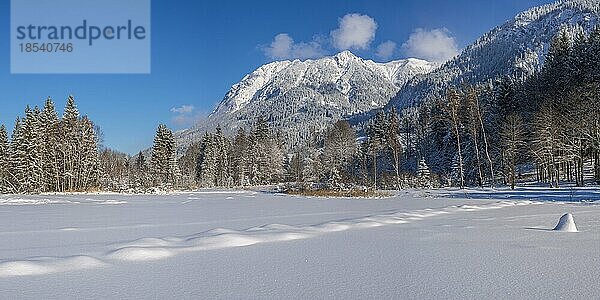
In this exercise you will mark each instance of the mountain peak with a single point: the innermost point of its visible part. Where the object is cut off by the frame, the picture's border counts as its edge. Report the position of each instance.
(345, 53)
(345, 56)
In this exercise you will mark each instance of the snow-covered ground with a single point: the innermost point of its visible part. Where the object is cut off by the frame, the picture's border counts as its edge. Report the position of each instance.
(232, 244)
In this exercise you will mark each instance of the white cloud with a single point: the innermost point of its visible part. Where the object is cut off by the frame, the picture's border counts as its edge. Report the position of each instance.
(284, 47)
(184, 109)
(187, 120)
(386, 50)
(355, 31)
(435, 45)
(185, 116)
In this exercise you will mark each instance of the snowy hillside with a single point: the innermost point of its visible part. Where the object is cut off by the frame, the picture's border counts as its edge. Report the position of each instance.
(516, 48)
(299, 97)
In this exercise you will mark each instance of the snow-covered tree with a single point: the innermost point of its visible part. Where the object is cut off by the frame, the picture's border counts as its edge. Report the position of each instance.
(223, 145)
(18, 159)
(266, 164)
(423, 173)
(4, 160)
(188, 164)
(49, 123)
(473, 111)
(89, 169)
(32, 139)
(393, 143)
(376, 133)
(513, 143)
(240, 154)
(454, 112)
(207, 162)
(423, 170)
(339, 151)
(294, 167)
(69, 145)
(163, 163)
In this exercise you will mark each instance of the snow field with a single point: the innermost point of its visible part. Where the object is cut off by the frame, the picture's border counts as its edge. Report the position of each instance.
(419, 244)
(155, 248)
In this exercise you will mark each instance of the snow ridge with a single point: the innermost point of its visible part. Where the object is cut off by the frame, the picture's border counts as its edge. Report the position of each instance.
(18, 201)
(148, 249)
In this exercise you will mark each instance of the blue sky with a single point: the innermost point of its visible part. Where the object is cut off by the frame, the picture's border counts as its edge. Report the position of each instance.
(201, 48)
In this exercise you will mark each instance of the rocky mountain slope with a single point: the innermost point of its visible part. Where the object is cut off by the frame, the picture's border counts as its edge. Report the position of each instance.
(516, 48)
(300, 97)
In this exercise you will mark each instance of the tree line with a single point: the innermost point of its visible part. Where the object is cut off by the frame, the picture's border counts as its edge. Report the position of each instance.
(335, 159)
(543, 128)
(46, 153)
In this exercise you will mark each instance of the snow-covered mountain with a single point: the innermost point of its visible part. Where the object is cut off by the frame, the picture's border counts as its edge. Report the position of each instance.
(300, 97)
(516, 48)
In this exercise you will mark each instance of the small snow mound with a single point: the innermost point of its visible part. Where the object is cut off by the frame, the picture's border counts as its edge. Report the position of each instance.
(147, 242)
(69, 229)
(140, 254)
(48, 265)
(566, 223)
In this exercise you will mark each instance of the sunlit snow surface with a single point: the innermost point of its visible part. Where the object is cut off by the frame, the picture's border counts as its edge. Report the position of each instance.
(233, 244)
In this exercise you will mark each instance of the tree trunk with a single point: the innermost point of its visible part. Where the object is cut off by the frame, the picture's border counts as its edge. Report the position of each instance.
(397, 167)
(486, 146)
(479, 172)
(460, 158)
(375, 168)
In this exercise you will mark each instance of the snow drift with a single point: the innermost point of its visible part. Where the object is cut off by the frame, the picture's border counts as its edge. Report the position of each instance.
(157, 248)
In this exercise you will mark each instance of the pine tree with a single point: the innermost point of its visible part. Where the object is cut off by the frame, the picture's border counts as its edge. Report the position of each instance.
(188, 164)
(140, 162)
(48, 154)
(163, 163)
(18, 159)
(89, 169)
(295, 165)
(591, 57)
(260, 158)
(69, 146)
(4, 160)
(32, 141)
(207, 162)
(557, 61)
(266, 159)
(423, 172)
(140, 174)
(222, 147)
(240, 158)
(49, 123)
(376, 133)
